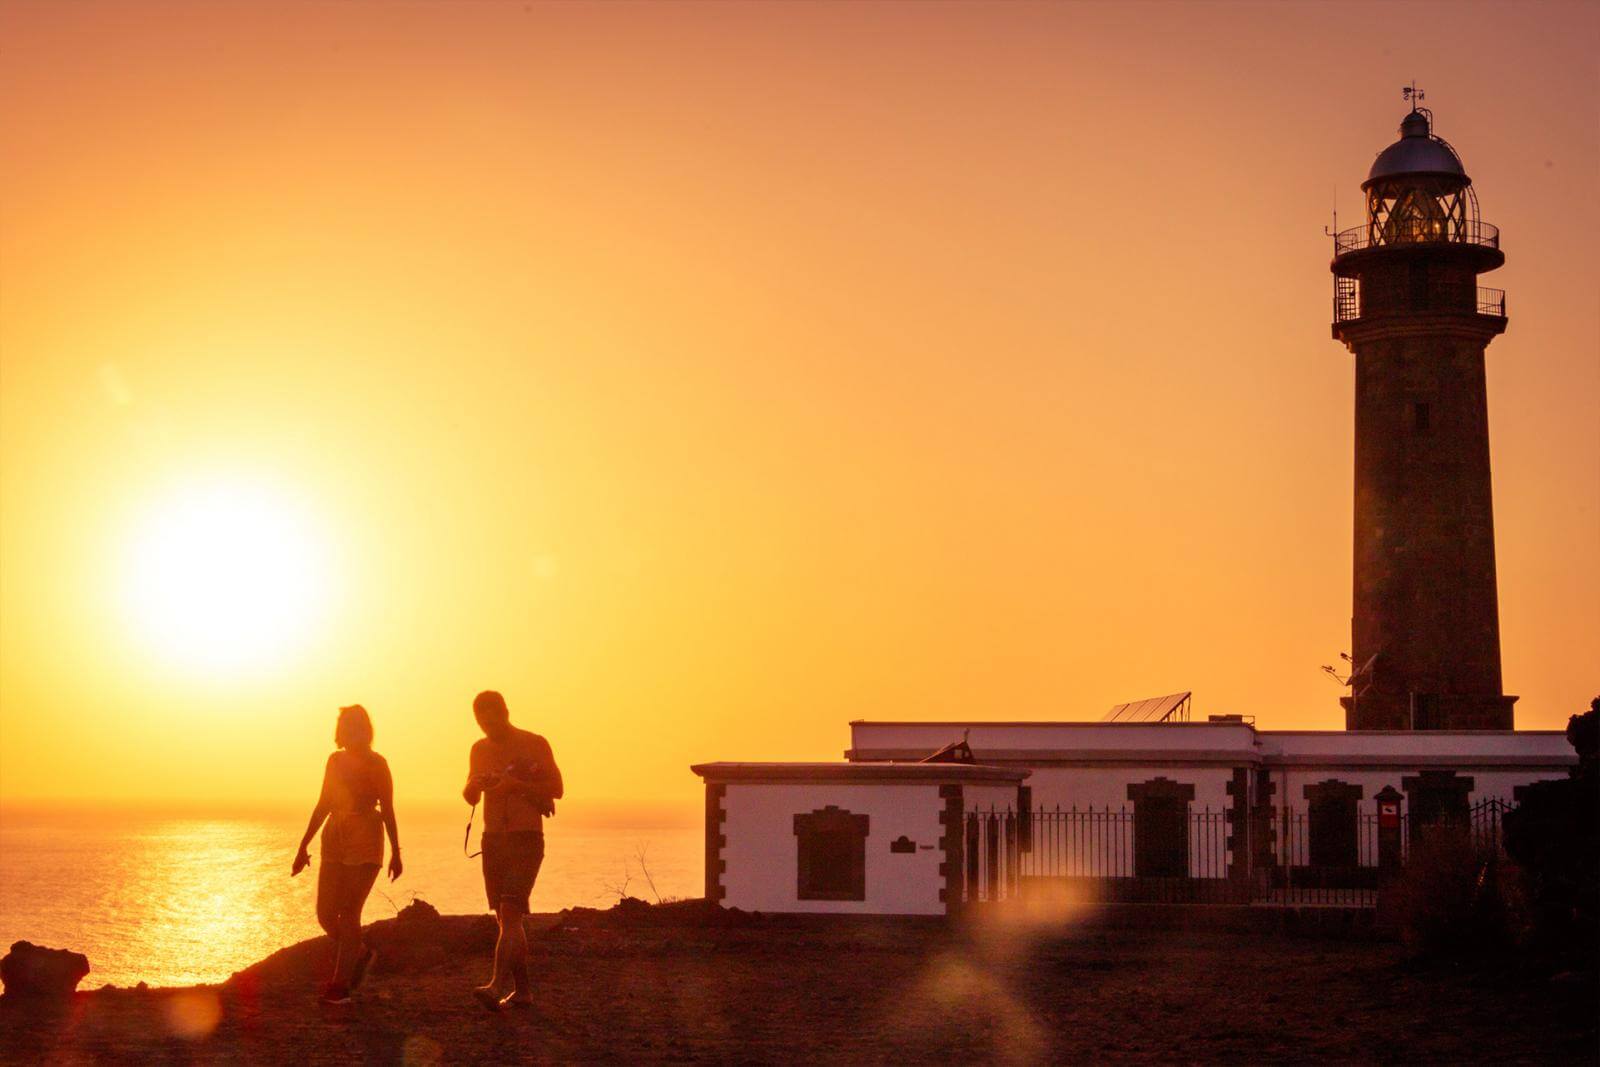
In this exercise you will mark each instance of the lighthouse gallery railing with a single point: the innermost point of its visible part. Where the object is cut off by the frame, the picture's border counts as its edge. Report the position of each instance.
(1417, 231)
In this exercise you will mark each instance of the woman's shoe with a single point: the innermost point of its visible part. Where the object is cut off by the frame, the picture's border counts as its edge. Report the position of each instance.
(333, 993)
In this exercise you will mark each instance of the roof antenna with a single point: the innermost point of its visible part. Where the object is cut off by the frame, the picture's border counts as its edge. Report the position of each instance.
(1335, 231)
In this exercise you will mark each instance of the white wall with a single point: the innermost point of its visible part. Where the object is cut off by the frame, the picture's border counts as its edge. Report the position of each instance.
(762, 854)
(1107, 786)
(1523, 745)
(1064, 843)
(989, 738)
(1000, 797)
(1490, 783)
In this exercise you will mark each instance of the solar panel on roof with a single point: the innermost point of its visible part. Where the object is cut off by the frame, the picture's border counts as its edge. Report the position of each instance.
(1174, 707)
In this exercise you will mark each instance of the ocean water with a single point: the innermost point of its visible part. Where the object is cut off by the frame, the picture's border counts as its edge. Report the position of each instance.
(177, 901)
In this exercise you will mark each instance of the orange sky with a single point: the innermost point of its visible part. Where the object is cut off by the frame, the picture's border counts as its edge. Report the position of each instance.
(705, 377)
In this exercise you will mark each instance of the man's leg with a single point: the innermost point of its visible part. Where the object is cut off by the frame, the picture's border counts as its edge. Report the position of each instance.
(505, 952)
(511, 951)
(534, 860)
(489, 994)
(523, 992)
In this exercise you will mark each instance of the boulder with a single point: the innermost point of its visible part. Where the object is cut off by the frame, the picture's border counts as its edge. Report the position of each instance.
(31, 971)
(418, 912)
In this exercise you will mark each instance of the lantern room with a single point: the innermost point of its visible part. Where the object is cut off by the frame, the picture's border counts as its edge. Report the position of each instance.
(1422, 244)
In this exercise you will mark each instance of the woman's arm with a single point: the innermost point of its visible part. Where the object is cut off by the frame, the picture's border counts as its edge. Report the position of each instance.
(319, 814)
(386, 805)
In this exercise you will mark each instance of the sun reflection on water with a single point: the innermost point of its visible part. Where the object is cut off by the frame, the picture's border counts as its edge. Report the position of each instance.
(188, 901)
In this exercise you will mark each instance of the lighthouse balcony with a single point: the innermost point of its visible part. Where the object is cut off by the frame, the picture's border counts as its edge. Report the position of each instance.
(1411, 231)
(1353, 300)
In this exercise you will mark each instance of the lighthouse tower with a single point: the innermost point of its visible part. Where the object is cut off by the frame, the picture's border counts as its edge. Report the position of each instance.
(1425, 625)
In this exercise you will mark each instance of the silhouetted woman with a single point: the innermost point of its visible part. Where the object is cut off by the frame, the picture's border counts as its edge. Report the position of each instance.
(357, 802)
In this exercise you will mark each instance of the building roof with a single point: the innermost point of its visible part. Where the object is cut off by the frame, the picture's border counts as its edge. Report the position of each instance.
(1236, 744)
(931, 773)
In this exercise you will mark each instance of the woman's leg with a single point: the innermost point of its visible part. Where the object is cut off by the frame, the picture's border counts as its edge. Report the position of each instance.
(355, 884)
(328, 896)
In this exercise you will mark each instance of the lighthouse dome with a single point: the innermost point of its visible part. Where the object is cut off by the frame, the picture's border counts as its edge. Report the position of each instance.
(1416, 152)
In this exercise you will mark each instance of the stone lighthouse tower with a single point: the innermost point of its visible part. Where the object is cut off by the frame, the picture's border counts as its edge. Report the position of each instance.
(1407, 304)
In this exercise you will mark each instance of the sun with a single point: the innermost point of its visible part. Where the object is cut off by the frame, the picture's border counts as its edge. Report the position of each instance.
(227, 576)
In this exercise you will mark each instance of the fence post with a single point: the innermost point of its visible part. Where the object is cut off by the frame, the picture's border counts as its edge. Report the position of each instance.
(1388, 799)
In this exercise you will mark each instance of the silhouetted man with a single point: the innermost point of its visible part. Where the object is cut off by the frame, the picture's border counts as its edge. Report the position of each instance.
(515, 774)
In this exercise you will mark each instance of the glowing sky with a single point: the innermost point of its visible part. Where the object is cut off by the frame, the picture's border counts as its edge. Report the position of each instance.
(706, 376)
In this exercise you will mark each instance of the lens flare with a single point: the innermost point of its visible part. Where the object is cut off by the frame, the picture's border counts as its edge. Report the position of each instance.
(193, 1013)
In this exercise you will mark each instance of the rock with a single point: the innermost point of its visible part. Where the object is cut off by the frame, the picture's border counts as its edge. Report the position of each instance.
(630, 912)
(418, 911)
(30, 971)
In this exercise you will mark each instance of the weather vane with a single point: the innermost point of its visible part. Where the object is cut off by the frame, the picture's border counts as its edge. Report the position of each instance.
(1412, 94)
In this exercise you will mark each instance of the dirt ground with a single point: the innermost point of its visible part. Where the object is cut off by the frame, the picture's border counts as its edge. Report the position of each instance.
(660, 985)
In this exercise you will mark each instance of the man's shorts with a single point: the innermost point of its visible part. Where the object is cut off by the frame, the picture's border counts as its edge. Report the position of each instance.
(511, 860)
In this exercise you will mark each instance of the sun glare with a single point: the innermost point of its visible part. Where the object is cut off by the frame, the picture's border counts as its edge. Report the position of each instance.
(227, 576)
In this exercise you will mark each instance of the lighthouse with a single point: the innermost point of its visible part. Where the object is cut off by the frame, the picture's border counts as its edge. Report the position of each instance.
(1407, 304)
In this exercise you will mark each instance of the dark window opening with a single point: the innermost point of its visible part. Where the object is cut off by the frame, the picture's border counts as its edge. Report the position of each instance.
(1436, 800)
(1160, 837)
(1024, 818)
(1332, 828)
(1161, 828)
(1419, 417)
(832, 855)
(974, 861)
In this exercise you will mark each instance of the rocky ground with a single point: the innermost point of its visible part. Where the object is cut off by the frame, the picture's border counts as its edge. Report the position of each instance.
(684, 982)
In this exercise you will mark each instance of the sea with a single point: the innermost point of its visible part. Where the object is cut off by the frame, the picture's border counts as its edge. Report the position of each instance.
(181, 900)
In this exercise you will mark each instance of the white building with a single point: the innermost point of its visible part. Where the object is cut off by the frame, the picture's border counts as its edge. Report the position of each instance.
(866, 838)
(1180, 811)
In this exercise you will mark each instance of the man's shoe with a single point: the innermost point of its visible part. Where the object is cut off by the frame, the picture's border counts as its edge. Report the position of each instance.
(335, 994)
(487, 996)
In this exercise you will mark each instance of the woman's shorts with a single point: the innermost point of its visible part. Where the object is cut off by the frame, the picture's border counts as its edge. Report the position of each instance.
(511, 861)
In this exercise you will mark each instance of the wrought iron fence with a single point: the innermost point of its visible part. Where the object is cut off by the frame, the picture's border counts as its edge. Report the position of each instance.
(1320, 860)
(1172, 854)
(1479, 826)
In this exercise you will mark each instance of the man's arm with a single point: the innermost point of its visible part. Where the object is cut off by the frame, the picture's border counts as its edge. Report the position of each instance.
(548, 781)
(545, 782)
(477, 782)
